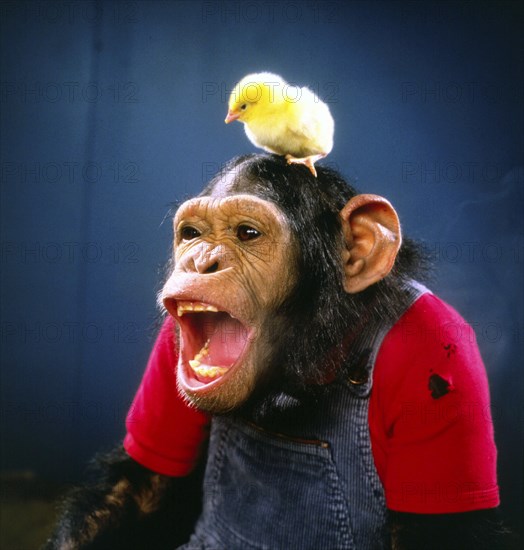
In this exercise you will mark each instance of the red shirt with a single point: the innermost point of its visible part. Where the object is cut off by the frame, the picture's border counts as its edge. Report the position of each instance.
(429, 415)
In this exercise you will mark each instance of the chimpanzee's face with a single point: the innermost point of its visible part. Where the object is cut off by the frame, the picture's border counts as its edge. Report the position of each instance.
(268, 267)
(234, 265)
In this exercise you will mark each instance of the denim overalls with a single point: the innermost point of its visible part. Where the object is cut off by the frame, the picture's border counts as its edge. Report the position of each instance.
(316, 487)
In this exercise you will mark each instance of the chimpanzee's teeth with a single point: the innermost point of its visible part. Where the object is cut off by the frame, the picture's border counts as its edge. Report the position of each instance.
(198, 357)
(205, 370)
(210, 372)
(184, 307)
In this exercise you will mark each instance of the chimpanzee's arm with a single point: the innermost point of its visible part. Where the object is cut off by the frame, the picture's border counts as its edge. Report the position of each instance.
(128, 506)
(478, 530)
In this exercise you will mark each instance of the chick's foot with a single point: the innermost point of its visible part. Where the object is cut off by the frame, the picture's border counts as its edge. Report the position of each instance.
(307, 161)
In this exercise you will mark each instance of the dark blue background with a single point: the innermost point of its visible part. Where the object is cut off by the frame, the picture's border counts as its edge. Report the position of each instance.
(112, 111)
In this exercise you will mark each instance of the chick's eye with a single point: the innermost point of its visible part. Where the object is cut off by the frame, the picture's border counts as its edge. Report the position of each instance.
(247, 233)
(243, 106)
(188, 233)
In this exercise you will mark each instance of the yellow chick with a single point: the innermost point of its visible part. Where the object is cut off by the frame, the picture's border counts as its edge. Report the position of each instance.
(282, 119)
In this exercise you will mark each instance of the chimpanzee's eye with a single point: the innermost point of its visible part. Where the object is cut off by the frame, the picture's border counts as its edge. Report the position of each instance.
(187, 233)
(247, 233)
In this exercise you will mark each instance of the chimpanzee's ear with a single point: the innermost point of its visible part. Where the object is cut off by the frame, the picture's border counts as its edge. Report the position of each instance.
(372, 240)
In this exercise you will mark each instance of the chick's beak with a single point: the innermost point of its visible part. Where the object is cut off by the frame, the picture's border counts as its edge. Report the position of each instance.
(231, 115)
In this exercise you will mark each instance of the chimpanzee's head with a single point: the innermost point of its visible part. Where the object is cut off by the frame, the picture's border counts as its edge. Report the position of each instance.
(273, 270)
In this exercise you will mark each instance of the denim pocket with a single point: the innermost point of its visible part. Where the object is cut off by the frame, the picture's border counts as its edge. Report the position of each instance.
(271, 492)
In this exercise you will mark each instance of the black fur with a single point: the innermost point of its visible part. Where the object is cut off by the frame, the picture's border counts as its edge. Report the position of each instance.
(478, 530)
(151, 511)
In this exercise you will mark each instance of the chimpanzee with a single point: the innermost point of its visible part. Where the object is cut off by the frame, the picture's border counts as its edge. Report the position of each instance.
(348, 404)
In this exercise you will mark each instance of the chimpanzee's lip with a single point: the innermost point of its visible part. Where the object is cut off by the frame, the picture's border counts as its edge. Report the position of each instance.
(213, 343)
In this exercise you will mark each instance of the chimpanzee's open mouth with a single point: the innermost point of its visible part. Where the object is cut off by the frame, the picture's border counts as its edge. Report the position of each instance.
(212, 343)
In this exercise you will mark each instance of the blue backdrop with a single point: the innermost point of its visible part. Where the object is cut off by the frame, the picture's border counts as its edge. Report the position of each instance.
(113, 110)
